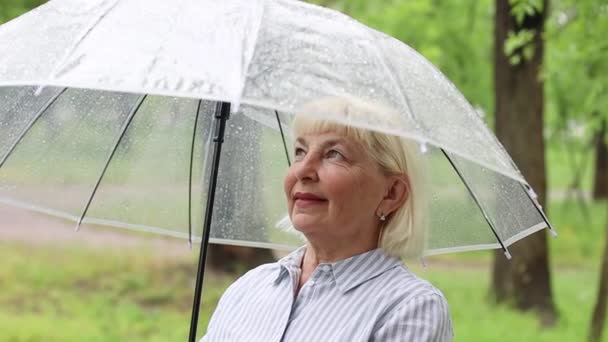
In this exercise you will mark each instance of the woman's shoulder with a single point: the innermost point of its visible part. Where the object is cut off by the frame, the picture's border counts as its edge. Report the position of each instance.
(248, 281)
(263, 271)
(415, 301)
(405, 285)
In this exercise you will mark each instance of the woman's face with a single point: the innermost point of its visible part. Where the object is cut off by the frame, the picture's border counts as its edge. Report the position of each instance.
(333, 188)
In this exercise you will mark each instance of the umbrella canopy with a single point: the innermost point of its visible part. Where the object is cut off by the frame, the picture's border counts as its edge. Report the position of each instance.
(106, 108)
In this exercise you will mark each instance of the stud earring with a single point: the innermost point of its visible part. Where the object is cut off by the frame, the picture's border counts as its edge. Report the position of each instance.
(382, 217)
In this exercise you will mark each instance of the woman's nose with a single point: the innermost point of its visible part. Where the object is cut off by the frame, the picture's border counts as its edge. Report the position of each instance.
(306, 169)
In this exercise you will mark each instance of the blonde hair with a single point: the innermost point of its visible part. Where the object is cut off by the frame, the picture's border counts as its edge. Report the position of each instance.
(403, 234)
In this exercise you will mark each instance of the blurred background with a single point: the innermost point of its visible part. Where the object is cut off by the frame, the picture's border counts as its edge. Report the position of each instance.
(536, 72)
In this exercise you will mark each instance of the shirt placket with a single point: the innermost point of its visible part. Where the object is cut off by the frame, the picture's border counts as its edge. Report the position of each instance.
(294, 276)
(306, 295)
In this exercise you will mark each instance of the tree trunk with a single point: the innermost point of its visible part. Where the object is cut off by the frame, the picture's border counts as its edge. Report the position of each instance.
(599, 313)
(236, 259)
(525, 280)
(600, 183)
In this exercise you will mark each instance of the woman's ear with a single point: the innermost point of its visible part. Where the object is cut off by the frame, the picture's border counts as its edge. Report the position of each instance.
(398, 191)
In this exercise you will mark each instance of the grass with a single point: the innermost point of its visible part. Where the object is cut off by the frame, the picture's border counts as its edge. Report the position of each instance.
(560, 171)
(72, 294)
(580, 239)
(67, 293)
(476, 319)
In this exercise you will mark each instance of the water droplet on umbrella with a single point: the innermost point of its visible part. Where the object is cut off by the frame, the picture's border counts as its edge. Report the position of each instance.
(38, 90)
(423, 148)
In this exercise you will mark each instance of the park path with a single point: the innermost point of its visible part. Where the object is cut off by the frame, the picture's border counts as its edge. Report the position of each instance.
(26, 227)
(22, 226)
(35, 229)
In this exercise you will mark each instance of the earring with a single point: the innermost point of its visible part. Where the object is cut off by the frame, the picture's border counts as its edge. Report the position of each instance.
(382, 217)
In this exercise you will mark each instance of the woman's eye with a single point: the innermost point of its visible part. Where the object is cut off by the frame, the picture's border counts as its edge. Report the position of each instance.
(333, 154)
(299, 152)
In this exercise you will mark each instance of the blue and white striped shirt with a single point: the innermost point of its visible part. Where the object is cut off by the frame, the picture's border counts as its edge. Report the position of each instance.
(368, 297)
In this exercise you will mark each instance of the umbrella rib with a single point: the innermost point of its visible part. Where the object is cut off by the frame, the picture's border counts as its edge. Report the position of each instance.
(483, 212)
(283, 137)
(91, 25)
(198, 110)
(42, 110)
(114, 148)
(540, 211)
(527, 189)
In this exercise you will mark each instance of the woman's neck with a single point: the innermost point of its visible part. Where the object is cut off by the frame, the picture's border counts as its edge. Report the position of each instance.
(316, 254)
(329, 252)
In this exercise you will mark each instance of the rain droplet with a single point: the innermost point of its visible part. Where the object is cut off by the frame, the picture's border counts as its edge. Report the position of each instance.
(39, 90)
(532, 193)
(423, 148)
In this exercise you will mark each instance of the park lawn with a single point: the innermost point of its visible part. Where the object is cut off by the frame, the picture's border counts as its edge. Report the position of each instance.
(70, 293)
(52, 293)
(476, 319)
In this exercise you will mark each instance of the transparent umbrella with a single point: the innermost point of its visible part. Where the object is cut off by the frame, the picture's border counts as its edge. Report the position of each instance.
(113, 113)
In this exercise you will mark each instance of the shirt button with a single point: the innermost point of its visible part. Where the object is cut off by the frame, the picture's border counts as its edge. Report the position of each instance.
(325, 268)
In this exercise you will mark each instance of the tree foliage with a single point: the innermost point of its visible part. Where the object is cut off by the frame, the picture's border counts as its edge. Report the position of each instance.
(576, 66)
(10, 9)
(456, 36)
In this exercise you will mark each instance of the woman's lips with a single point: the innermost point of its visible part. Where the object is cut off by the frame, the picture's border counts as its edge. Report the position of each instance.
(305, 199)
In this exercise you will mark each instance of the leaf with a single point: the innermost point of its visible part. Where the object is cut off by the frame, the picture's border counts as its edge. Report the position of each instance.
(520, 9)
(519, 44)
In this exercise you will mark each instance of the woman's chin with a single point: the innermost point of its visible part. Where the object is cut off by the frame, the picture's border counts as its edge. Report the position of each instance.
(305, 224)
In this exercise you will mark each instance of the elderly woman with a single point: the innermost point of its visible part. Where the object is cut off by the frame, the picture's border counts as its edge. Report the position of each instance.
(356, 195)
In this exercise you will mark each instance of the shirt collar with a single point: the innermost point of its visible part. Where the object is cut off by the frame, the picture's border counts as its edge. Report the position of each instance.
(293, 261)
(348, 273)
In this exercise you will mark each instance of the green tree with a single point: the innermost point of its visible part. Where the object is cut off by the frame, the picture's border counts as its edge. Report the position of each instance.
(576, 85)
(456, 36)
(13, 8)
(598, 317)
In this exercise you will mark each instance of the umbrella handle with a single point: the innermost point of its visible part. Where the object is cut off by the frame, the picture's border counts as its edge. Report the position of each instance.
(222, 113)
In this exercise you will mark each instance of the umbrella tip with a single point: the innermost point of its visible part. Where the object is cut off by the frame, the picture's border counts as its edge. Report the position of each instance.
(190, 244)
(507, 254)
(79, 223)
(553, 232)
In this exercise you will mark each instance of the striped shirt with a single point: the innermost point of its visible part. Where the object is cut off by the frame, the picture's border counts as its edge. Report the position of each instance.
(368, 297)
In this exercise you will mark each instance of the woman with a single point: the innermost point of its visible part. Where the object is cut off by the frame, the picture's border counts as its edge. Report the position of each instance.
(356, 195)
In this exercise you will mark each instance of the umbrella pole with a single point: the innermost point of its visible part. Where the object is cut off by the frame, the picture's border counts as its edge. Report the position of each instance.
(222, 113)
